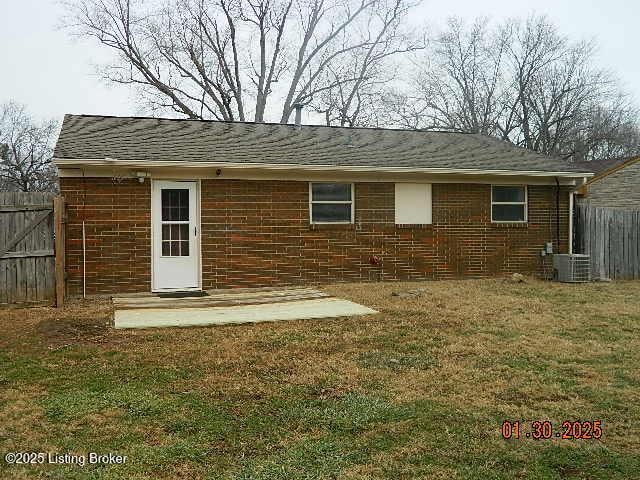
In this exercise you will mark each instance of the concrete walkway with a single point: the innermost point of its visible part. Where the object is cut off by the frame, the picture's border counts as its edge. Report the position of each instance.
(228, 307)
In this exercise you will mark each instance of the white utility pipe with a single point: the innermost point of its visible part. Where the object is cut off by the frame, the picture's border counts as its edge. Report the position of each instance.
(570, 223)
(84, 263)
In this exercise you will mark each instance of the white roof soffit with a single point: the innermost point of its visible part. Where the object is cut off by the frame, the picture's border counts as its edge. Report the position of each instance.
(108, 162)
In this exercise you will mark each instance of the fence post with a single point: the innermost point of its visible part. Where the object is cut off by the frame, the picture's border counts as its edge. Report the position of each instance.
(58, 215)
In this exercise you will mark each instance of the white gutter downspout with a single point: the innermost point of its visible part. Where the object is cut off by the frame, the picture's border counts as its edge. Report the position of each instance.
(84, 263)
(570, 222)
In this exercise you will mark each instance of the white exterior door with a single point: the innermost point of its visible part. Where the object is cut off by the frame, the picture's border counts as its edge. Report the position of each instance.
(176, 262)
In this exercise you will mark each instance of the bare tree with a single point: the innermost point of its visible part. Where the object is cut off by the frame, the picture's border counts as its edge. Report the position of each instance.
(606, 131)
(229, 59)
(462, 81)
(25, 151)
(356, 85)
(522, 82)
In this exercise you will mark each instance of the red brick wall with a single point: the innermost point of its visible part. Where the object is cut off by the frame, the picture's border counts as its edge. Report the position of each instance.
(117, 219)
(257, 233)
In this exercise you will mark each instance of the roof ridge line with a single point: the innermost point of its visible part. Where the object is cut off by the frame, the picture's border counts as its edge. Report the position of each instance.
(245, 122)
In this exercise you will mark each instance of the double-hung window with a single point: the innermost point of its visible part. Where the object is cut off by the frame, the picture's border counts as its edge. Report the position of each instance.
(331, 202)
(509, 203)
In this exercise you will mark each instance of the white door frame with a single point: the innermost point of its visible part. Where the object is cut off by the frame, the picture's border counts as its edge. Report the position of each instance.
(198, 243)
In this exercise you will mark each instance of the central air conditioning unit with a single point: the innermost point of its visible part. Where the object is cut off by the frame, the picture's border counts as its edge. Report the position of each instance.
(574, 268)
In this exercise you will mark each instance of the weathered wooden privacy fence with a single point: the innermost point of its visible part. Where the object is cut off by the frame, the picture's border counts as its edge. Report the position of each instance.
(31, 248)
(611, 237)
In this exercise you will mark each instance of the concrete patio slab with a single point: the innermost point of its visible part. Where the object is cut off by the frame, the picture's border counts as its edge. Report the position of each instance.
(263, 312)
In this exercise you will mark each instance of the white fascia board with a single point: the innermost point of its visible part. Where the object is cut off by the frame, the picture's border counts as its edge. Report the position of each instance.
(67, 162)
(176, 173)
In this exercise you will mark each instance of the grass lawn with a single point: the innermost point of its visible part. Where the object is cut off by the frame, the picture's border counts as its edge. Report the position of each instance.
(419, 390)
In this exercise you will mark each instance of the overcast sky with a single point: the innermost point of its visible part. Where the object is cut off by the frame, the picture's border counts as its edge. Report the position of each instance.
(52, 74)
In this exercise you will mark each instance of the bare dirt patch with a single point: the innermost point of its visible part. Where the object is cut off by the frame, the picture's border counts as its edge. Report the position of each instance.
(77, 322)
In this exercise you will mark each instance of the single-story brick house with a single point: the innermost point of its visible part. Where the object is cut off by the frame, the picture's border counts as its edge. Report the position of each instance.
(170, 204)
(616, 183)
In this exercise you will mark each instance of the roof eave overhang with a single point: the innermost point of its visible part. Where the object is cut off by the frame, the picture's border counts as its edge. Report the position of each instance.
(78, 163)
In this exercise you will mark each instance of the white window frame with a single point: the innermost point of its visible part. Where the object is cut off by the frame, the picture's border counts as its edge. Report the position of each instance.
(341, 202)
(525, 203)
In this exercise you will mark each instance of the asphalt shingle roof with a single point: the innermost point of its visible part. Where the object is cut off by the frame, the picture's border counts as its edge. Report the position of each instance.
(600, 166)
(155, 139)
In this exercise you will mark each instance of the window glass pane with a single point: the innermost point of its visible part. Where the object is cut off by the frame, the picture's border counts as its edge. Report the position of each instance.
(331, 191)
(331, 212)
(508, 213)
(175, 204)
(179, 232)
(166, 204)
(508, 194)
(184, 248)
(183, 232)
(175, 240)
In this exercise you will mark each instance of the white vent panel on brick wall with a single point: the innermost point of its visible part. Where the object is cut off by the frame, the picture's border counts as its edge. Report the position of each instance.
(413, 203)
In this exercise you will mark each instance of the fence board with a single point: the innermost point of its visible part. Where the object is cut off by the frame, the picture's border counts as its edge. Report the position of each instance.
(636, 244)
(27, 272)
(4, 227)
(612, 238)
(12, 284)
(3, 282)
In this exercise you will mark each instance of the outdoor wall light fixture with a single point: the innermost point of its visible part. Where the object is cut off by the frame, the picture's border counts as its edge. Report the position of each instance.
(141, 176)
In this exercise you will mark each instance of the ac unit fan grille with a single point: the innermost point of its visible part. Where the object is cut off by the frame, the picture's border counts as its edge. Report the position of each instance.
(574, 268)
